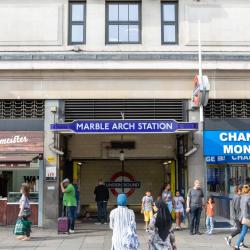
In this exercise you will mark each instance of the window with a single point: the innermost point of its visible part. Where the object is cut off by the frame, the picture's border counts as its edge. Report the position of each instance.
(123, 23)
(169, 17)
(77, 22)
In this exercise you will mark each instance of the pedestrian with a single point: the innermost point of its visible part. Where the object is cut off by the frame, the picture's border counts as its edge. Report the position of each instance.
(161, 237)
(24, 212)
(244, 215)
(122, 222)
(167, 197)
(101, 197)
(235, 214)
(77, 193)
(69, 201)
(147, 208)
(210, 207)
(179, 208)
(195, 202)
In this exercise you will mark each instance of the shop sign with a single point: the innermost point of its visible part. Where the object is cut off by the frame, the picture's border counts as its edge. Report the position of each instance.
(124, 126)
(226, 143)
(232, 146)
(116, 184)
(21, 142)
(228, 159)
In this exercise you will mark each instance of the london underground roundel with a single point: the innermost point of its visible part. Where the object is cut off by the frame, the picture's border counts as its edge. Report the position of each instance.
(128, 182)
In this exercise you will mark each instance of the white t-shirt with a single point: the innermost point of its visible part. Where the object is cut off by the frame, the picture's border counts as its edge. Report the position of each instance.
(178, 202)
(24, 201)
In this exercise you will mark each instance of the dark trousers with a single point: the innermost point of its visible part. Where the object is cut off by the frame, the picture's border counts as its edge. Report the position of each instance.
(237, 230)
(102, 214)
(195, 216)
(71, 211)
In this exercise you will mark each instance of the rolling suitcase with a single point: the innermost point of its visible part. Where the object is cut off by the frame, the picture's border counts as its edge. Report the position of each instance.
(62, 225)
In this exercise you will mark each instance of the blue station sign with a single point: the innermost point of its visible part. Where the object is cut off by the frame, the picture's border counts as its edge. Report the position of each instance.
(124, 126)
(227, 146)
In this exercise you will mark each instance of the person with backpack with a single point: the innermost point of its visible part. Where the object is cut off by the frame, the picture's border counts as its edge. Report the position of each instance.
(122, 222)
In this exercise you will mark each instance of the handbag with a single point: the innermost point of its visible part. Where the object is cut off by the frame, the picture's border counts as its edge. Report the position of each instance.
(246, 221)
(22, 227)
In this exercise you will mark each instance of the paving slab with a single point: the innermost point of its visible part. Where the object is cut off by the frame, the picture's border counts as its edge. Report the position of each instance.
(93, 237)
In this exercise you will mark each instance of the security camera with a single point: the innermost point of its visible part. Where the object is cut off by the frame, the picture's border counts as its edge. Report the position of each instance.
(191, 151)
(56, 151)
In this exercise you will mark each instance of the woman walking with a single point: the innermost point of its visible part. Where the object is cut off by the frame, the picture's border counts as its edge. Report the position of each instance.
(244, 215)
(24, 212)
(167, 197)
(122, 222)
(161, 236)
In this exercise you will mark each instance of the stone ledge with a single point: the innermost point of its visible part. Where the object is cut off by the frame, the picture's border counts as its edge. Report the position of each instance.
(120, 57)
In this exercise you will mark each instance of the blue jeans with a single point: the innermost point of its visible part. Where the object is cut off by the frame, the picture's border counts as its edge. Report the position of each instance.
(210, 223)
(242, 235)
(102, 214)
(71, 212)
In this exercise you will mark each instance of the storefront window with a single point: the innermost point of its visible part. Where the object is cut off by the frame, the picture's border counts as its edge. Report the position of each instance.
(11, 181)
(224, 178)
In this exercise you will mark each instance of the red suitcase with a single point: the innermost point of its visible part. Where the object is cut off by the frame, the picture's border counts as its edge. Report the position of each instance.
(63, 225)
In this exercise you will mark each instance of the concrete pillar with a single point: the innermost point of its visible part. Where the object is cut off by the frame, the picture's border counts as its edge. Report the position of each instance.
(196, 161)
(51, 159)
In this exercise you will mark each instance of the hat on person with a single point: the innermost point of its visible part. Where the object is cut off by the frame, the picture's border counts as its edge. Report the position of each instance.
(122, 200)
(65, 180)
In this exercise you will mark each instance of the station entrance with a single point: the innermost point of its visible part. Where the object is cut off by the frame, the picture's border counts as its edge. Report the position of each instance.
(130, 163)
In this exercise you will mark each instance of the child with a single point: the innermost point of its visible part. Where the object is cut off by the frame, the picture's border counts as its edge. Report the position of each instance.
(179, 208)
(147, 208)
(210, 215)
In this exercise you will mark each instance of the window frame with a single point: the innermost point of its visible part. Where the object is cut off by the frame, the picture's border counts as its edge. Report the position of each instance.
(108, 23)
(71, 23)
(175, 23)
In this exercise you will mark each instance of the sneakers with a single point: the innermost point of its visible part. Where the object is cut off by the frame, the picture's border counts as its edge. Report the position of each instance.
(243, 246)
(228, 241)
(98, 223)
(71, 231)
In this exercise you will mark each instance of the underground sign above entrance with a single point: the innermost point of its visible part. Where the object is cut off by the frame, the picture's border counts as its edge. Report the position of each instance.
(124, 126)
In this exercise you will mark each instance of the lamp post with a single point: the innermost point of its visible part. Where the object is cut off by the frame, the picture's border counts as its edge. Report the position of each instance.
(122, 159)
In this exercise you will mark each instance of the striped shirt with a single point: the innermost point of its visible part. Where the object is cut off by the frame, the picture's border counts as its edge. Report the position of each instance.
(120, 219)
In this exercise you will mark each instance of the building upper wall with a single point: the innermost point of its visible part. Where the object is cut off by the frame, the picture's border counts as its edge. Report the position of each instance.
(32, 25)
(119, 84)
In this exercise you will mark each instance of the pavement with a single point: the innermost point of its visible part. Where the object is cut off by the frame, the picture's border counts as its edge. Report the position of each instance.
(94, 237)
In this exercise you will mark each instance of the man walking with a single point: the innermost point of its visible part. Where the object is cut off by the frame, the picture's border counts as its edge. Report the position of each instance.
(195, 202)
(69, 201)
(101, 197)
(235, 214)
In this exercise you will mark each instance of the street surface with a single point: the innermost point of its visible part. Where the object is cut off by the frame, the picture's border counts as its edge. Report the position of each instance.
(93, 237)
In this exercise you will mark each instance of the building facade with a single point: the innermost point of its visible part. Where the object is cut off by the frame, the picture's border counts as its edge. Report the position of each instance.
(96, 60)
